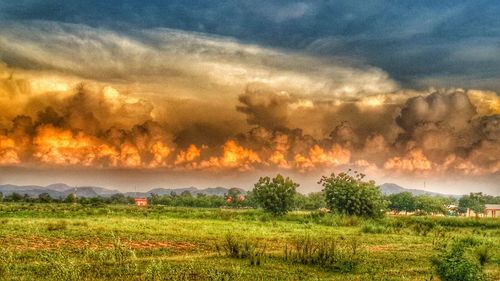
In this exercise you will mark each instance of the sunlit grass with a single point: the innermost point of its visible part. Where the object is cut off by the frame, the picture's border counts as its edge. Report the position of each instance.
(72, 242)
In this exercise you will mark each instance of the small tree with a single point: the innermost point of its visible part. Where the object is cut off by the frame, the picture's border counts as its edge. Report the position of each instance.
(71, 198)
(15, 197)
(427, 204)
(1, 196)
(404, 201)
(473, 201)
(44, 198)
(233, 197)
(275, 195)
(350, 195)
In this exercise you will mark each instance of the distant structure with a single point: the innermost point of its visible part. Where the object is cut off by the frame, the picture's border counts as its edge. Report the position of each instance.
(141, 202)
(490, 211)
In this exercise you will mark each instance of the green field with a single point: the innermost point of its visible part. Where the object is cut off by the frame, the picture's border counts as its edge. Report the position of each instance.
(118, 242)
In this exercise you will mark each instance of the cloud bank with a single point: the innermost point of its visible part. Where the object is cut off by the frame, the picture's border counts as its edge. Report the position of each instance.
(167, 100)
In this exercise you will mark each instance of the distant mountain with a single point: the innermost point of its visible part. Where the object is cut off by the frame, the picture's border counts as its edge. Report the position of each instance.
(58, 187)
(193, 190)
(61, 190)
(392, 188)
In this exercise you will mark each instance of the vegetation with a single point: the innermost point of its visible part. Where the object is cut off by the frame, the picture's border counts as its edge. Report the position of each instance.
(116, 242)
(67, 241)
(350, 195)
(186, 237)
(331, 254)
(427, 204)
(402, 202)
(461, 260)
(473, 201)
(275, 195)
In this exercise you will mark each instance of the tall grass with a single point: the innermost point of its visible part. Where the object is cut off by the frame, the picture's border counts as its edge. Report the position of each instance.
(242, 249)
(332, 254)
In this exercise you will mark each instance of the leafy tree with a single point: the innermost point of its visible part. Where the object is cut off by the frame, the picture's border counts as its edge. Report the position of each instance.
(350, 195)
(15, 197)
(428, 204)
(71, 198)
(1, 196)
(473, 201)
(275, 195)
(404, 201)
(311, 201)
(155, 199)
(44, 198)
(233, 197)
(488, 199)
(186, 193)
(118, 198)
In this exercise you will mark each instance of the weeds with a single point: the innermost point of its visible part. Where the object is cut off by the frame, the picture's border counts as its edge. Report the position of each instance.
(335, 255)
(160, 270)
(461, 260)
(60, 225)
(242, 249)
(371, 227)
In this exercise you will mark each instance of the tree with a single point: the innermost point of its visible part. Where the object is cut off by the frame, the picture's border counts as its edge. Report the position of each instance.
(1, 196)
(15, 197)
(44, 198)
(71, 198)
(350, 195)
(473, 201)
(311, 201)
(428, 204)
(275, 195)
(186, 193)
(118, 198)
(404, 201)
(233, 196)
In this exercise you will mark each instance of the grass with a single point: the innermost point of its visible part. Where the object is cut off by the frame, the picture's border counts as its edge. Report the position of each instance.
(74, 242)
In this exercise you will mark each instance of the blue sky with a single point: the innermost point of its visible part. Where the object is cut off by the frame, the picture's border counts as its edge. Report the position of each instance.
(419, 43)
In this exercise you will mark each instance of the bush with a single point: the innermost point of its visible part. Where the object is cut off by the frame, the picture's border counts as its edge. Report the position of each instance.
(334, 255)
(423, 227)
(460, 260)
(350, 195)
(275, 195)
(242, 249)
(371, 227)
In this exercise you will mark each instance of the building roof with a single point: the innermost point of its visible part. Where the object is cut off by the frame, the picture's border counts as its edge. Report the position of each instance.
(492, 206)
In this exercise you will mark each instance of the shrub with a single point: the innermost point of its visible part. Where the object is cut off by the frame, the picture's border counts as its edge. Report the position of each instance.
(371, 227)
(423, 227)
(350, 195)
(459, 261)
(242, 249)
(335, 255)
(275, 195)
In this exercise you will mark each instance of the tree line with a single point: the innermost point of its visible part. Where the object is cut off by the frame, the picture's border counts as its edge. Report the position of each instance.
(345, 193)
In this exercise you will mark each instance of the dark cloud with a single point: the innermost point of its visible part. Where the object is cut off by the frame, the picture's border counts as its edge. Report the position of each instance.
(415, 42)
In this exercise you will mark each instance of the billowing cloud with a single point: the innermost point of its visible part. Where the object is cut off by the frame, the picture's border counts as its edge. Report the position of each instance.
(165, 100)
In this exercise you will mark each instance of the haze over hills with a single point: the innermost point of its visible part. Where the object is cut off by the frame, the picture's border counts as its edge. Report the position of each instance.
(392, 188)
(62, 190)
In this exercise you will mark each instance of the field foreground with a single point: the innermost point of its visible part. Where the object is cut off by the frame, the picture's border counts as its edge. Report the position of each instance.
(74, 242)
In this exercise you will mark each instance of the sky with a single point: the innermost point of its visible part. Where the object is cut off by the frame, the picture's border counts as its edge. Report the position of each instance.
(134, 95)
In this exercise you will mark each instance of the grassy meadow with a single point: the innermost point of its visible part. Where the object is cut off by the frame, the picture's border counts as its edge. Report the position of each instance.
(124, 242)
